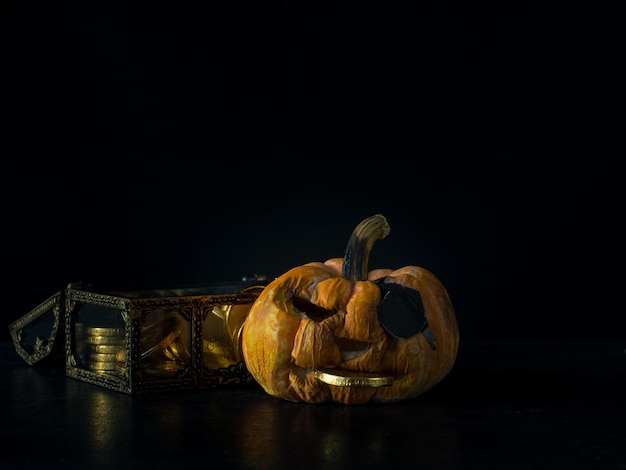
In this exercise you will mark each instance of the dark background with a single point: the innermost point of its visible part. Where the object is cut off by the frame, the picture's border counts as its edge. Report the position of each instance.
(149, 144)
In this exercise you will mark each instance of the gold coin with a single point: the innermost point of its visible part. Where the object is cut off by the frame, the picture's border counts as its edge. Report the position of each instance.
(108, 340)
(101, 366)
(106, 348)
(177, 352)
(164, 369)
(103, 357)
(348, 378)
(164, 343)
(102, 331)
(121, 355)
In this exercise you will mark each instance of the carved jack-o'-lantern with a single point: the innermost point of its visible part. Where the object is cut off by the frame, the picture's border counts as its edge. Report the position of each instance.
(333, 331)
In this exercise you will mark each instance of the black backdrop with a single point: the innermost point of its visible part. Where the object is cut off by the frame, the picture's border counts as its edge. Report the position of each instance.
(150, 144)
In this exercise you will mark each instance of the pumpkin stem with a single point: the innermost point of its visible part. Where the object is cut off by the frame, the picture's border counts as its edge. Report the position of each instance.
(360, 245)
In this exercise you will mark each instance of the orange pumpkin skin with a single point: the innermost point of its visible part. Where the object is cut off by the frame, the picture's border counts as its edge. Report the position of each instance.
(311, 318)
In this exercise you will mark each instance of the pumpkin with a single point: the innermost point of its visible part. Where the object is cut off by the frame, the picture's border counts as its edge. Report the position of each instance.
(333, 332)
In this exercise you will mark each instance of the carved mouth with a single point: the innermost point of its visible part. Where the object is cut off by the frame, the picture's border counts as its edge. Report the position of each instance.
(351, 348)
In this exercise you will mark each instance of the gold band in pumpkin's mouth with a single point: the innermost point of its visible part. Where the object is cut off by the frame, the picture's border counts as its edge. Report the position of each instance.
(351, 378)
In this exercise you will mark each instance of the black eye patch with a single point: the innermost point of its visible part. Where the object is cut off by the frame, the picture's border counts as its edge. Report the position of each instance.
(401, 312)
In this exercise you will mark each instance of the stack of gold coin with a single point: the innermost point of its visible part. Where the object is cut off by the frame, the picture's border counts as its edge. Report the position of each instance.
(105, 343)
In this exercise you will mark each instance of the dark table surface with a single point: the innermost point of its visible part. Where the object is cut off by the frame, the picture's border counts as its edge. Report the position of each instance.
(505, 405)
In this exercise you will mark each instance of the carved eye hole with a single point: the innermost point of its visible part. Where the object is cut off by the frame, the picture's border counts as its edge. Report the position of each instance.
(312, 311)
